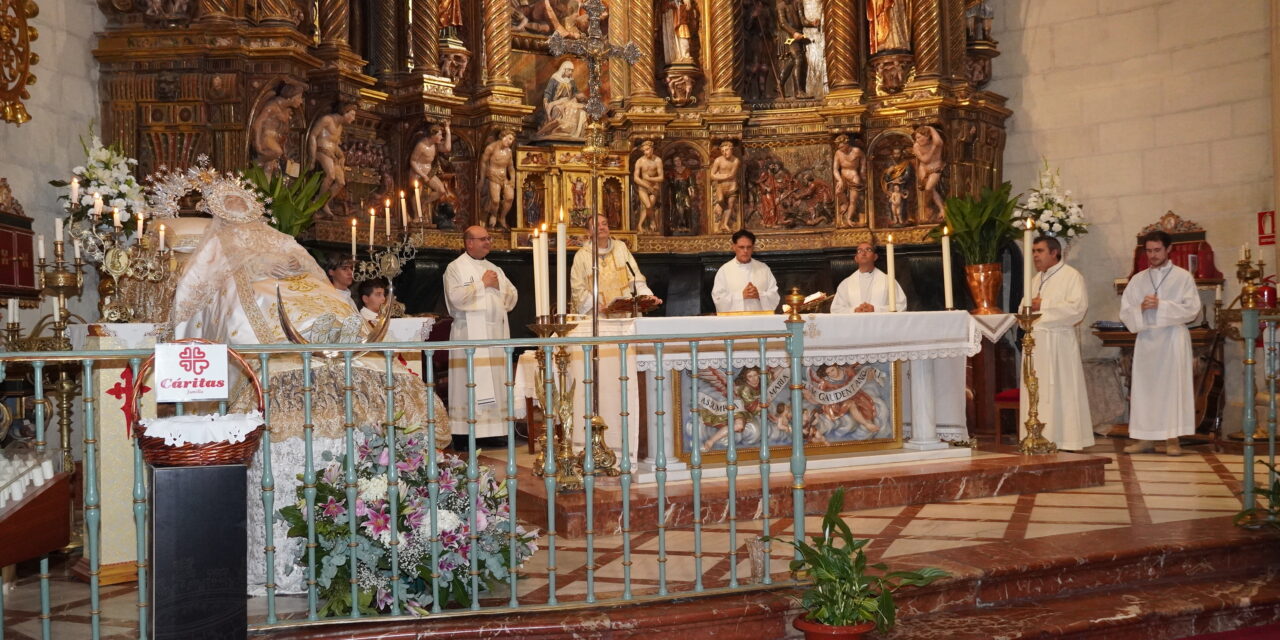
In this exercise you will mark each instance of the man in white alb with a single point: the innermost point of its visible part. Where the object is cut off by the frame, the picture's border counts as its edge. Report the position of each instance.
(620, 276)
(1061, 301)
(744, 284)
(867, 289)
(479, 296)
(1157, 304)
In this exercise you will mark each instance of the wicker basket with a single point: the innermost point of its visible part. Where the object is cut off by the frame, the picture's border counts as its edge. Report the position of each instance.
(156, 452)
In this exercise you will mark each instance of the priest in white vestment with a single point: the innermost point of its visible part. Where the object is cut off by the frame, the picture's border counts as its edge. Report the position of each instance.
(745, 284)
(867, 290)
(1061, 301)
(620, 276)
(1157, 305)
(479, 296)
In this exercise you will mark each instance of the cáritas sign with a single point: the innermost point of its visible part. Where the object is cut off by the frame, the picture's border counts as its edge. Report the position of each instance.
(191, 372)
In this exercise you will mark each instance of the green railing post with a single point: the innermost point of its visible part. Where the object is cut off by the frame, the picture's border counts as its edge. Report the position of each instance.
(695, 452)
(309, 486)
(393, 490)
(1249, 333)
(795, 352)
(268, 487)
(624, 471)
(92, 501)
(139, 516)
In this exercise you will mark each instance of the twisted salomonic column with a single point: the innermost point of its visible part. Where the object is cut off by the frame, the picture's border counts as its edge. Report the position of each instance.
(335, 21)
(384, 38)
(216, 10)
(497, 42)
(426, 37)
(725, 48)
(953, 37)
(926, 38)
(838, 30)
(280, 12)
(641, 14)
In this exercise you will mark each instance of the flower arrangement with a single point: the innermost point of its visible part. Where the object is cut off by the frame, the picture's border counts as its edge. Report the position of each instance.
(450, 532)
(1055, 212)
(104, 183)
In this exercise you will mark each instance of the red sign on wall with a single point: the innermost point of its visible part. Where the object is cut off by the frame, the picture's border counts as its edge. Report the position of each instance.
(1266, 227)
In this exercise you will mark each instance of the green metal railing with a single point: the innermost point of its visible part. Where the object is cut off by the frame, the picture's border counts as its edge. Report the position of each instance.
(1255, 323)
(345, 356)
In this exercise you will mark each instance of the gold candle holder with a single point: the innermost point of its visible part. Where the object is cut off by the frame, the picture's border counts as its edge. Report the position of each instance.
(1034, 442)
(558, 408)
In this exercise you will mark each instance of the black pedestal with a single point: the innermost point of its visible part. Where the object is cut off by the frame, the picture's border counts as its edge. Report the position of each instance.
(197, 542)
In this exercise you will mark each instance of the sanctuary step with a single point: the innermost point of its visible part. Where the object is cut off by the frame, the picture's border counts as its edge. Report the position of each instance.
(985, 474)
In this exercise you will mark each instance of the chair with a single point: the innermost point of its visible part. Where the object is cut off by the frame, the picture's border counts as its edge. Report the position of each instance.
(1006, 400)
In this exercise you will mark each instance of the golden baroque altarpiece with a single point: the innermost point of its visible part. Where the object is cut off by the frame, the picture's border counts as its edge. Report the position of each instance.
(813, 123)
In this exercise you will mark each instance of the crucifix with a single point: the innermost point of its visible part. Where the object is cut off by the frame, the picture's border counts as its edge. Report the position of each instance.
(596, 51)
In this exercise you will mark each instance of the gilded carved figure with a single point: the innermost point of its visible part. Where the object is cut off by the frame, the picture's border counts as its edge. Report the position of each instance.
(680, 24)
(324, 144)
(424, 163)
(849, 170)
(498, 179)
(270, 128)
(896, 181)
(563, 105)
(793, 47)
(927, 148)
(649, 178)
(726, 171)
(888, 25)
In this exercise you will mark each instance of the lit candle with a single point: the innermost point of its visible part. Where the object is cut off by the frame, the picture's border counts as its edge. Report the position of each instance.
(417, 200)
(353, 238)
(386, 218)
(1217, 293)
(545, 257)
(891, 287)
(161, 241)
(115, 217)
(75, 244)
(75, 192)
(948, 299)
(373, 225)
(97, 205)
(1028, 238)
(141, 224)
(537, 275)
(57, 229)
(40, 247)
(404, 212)
(13, 309)
(562, 272)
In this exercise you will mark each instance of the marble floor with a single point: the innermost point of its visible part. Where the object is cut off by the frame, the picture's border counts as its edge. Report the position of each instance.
(1140, 491)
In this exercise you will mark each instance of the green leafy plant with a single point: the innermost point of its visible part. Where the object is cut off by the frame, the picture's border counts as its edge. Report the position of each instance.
(1267, 516)
(843, 592)
(293, 202)
(982, 226)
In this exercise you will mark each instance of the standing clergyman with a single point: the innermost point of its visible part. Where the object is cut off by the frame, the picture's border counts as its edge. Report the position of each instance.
(1157, 304)
(1061, 301)
(479, 296)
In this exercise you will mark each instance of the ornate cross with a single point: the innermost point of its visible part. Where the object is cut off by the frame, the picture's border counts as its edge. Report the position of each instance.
(596, 50)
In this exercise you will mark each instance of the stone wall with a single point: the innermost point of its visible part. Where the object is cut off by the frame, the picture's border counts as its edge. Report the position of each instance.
(1145, 106)
(63, 102)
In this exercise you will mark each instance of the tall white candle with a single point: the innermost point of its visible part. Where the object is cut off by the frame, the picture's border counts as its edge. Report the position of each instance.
(892, 285)
(417, 200)
(57, 229)
(75, 192)
(948, 298)
(1028, 238)
(562, 273)
(373, 225)
(538, 281)
(161, 242)
(353, 238)
(115, 217)
(141, 224)
(404, 212)
(97, 205)
(546, 268)
(40, 247)
(13, 309)
(386, 219)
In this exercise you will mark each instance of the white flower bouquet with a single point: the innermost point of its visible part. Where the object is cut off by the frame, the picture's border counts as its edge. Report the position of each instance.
(1056, 213)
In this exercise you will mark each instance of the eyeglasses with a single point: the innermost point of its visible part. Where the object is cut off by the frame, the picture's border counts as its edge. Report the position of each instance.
(866, 250)
(483, 239)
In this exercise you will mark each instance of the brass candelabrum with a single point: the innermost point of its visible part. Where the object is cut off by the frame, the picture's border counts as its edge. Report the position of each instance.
(143, 261)
(1249, 274)
(1034, 442)
(557, 411)
(387, 263)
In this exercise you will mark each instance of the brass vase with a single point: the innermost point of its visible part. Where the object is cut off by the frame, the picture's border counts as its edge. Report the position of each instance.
(984, 285)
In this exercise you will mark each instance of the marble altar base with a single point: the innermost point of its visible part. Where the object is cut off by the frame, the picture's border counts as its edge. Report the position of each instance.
(866, 487)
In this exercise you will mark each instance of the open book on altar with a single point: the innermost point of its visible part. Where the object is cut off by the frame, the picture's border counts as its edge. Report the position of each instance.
(638, 305)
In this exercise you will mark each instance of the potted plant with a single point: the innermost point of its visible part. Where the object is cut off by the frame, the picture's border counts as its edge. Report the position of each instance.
(980, 227)
(845, 601)
(293, 202)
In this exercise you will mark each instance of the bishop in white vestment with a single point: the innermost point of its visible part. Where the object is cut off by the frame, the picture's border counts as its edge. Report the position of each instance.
(620, 276)
(1062, 302)
(1157, 304)
(745, 284)
(478, 296)
(868, 288)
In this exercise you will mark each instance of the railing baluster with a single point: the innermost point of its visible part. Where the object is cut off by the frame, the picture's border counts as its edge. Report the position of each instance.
(473, 485)
(660, 466)
(309, 485)
(624, 469)
(795, 351)
(695, 452)
(268, 489)
(731, 471)
(764, 462)
(549, 467)
(393, 489)
(433, 483)
(349, 424)
(512, 537)
(46, 617)
(589, 463)
(139, 518)
(92, 513)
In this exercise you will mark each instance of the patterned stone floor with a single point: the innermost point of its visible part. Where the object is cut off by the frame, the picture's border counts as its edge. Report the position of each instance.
(1140, 490)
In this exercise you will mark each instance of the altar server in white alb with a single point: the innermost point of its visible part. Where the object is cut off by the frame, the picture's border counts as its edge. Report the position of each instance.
(1061, 301)
(620, 276)
(1157, 305)
(479, 296)
(743, 283)
(867, 289)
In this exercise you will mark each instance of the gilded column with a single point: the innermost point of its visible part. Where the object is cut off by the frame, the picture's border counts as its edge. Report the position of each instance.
(335, 21)
(216, 10)
(642, 73)
(953, 37)
(726, 49)
(384, 38)
(279, 12)
(497, 42)
(426, 37)
(926, 36)
(838, 30)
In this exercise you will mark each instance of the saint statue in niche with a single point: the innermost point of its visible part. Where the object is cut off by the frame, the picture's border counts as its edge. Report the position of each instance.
(649, 178)
(896, 180)
(270, 128)
(564, 106)
(888, 26)
(849, 171)
(324, 144)
(682, 188)
(680, 23)
(927, 148)
(726, 171)
(793, 46)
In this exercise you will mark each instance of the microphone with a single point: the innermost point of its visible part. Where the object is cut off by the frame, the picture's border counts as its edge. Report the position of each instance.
(634, 277)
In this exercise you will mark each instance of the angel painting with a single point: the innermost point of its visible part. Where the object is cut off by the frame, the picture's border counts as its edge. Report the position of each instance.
(848, 399)
(748, 401)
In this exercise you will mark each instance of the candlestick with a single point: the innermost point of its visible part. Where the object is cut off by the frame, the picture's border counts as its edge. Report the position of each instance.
(1028, 238)
(115, 217)
(891, 287)
(40, 247)
(1217, 293)
(373, 225)
(141, 224)
(562, 273)
(57, 229)
(948, 298)
(404, 212)
(537, 275)
(97, 205)
(353, 238)
(386, 218)
(75, 244)
(75, 192)
(13, 309)
(161, 242)
(417, 200)
(545, 257)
